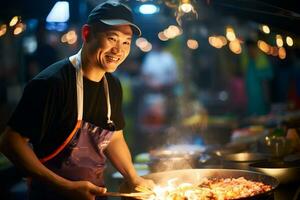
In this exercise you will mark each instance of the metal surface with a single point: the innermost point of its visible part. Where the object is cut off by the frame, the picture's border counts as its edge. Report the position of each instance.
(194, 176)
(137, 195)
(242, 160)
(285, 172)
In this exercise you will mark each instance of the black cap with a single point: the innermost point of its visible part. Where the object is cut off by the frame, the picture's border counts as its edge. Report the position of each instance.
(113, 13)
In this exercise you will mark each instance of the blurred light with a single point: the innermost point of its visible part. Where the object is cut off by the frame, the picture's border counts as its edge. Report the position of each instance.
(148, 9)
(162, 36)
(223, 39)
(265, 29)
(3, 29)
(192, 44)
(223, 95)
(30, 44)
(281, 53)
(14, 21)
(230, 34)
(279, 40)
(185, 6)
(289, 41)
(215, 42)
(59, 13)
(235, 46)
(70, 37)
(172, 31)
(20, 27)
(273, 51)
(17, 30)
(263, 46)
(147, 48)
(141, 42)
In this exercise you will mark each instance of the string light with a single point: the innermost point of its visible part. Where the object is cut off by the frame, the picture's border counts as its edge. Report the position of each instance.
(3, 29)
(192, 44)
(279, 40)
(265, 29)
(13, 21)
(185, 8)
(289, 41)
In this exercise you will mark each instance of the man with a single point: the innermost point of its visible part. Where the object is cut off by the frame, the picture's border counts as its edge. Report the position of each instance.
(71, 115)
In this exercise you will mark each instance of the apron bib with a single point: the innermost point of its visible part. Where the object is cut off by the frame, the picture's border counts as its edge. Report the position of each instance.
(81, 155)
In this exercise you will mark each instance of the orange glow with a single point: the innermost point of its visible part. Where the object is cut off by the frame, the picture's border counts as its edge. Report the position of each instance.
(70, 37)
(263, 46)
(3, 29)
(235, 46)
(162, 36)
(20, 27)
(215, 42)
(282, 53)
(192, 44)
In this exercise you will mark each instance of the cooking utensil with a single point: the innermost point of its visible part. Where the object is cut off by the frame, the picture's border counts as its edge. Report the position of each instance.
(278, 146)
(285, 172)
(136, 195)
(242, 160)
(194, 176)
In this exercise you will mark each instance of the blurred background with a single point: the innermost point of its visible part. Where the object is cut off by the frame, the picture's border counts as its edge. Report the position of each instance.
(207, 73)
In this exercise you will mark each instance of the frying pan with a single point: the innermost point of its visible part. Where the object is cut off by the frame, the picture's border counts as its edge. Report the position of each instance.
(194, 176)
(285, 172)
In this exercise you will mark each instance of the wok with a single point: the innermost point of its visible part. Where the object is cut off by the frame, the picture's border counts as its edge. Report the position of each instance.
(285, 172)
(195, 175)
(242, 160)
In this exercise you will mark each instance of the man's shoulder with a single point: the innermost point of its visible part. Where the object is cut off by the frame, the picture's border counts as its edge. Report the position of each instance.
(58, 71)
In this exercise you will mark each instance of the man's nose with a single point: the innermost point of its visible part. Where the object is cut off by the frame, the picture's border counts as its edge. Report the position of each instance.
(116, 48)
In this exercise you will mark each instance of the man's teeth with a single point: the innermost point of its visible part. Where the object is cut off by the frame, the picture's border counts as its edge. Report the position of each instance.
(112, 58)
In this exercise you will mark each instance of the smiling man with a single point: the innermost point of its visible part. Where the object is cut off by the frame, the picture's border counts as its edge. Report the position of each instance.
(71, 114)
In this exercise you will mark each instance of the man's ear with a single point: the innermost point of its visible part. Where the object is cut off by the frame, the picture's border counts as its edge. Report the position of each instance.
(86, 32)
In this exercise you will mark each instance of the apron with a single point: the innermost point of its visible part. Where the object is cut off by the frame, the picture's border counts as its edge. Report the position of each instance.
(81, 156)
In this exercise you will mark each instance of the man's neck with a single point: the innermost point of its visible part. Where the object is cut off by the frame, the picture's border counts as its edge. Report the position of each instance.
(90, 71)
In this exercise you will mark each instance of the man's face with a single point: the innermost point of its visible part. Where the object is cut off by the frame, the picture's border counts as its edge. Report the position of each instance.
(109, 48)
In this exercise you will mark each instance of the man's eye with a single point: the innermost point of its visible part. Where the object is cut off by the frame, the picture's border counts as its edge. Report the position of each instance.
(126, 43)
(112, 39)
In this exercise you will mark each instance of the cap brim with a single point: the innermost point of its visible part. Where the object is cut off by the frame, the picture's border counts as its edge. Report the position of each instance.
(113, 22)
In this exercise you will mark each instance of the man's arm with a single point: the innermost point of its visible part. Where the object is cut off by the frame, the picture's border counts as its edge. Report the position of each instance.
(118, 153)
(16, 149)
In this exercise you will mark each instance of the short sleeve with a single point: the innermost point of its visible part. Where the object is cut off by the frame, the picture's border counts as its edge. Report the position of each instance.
(36, 109)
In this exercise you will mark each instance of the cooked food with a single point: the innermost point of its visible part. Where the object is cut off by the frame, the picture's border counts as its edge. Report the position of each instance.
(211, 189)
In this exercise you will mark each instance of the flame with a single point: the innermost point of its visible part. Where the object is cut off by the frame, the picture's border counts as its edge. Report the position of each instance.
(219, 189)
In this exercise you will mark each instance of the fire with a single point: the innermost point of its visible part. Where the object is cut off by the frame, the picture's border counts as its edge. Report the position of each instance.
(175, 191)
(208, 189)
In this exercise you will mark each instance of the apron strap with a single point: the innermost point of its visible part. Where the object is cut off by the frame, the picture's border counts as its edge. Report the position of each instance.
(106, 90)
(76, 61)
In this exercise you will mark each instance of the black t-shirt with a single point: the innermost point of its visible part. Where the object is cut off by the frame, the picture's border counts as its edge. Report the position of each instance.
(47, 111)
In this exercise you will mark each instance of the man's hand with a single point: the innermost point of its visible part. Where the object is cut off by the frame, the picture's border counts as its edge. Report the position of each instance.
(141, 185)
(83, 190)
